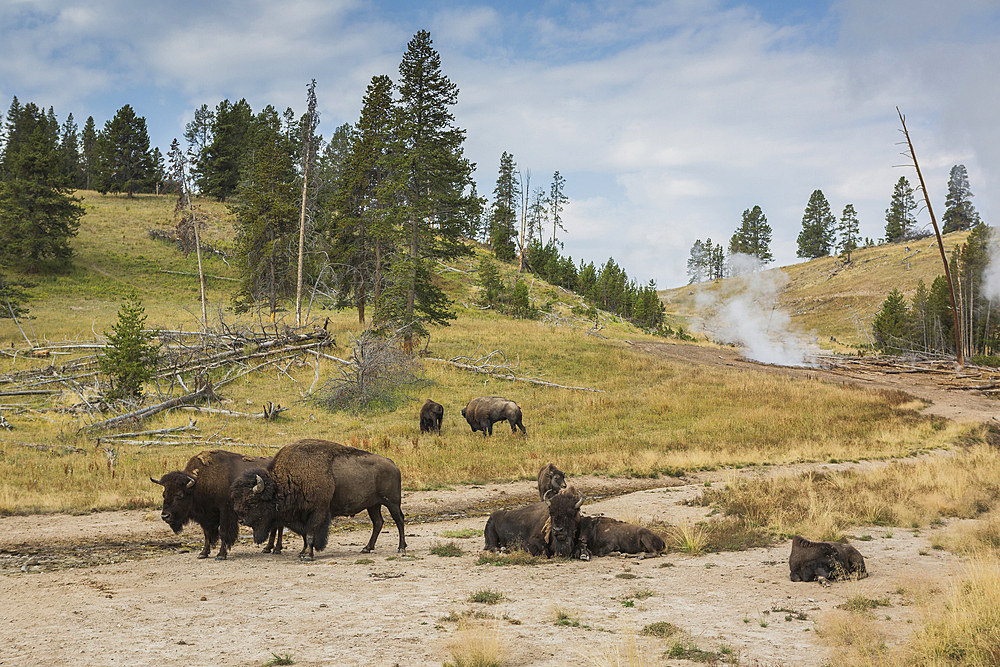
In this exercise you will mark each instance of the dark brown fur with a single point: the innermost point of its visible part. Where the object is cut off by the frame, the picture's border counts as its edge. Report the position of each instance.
(602, 535)
(311, 481)
(483, 412)
(810, 561)
(545, 528)
(431, 416)
(200, 493)
(550, 478)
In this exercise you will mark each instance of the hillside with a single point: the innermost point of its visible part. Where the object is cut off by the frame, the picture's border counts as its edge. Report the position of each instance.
(827, 301)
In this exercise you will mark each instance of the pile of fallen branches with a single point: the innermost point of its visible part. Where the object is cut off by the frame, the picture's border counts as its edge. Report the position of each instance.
(497, 365)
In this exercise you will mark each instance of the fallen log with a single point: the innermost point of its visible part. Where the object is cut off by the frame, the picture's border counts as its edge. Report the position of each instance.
(513, 378)
(208, 391)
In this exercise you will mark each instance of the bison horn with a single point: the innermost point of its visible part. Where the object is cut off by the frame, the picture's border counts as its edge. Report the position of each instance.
(190, 483)
(548, 496)
(155, 481)
(259, 486)
(579, 501)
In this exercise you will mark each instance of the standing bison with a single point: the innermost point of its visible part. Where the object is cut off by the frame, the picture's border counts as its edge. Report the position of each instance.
(482, 413)
(200, 493)
(602, 535)
(823, 561)
(544, 528)
(550, 478)
(311, 481)
(431, 416)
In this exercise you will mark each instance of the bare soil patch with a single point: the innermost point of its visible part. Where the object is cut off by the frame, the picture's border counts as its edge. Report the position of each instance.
(119, 588)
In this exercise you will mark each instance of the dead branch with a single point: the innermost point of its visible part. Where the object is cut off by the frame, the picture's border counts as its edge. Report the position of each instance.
(208, 391)
(191, 426)
(512, 378)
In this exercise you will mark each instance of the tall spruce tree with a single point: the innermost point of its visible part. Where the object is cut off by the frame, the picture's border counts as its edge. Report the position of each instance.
(849, 232)
(557, 202)
(359, 232)
(899, 217)
(753, 237)
(960, 214)
(38, 217)
(219, 165)
(69, 153)
(432, 177)
(503, 217)
(88, 153)
(125, 161)
(266, 212)
(817, 235)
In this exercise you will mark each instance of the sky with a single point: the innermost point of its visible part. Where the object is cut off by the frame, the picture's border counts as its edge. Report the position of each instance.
(667, 118)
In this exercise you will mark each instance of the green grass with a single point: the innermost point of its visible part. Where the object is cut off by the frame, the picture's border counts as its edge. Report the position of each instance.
(486, 596)
(449, 550)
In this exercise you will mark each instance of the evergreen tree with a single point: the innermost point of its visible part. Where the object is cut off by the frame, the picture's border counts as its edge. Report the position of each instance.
(88, 153)
(10, 134)
(267, 213)
(432, 176)
(130, 357)
(753, 237)
(503, 218)
(38, 217)
(13, 297)
(697, 264)
(557, 202)
(124, 158)
(849, 232)
(960, 214)
(69, 153)
(198, 132)
(816, 237)
(892, 324)
(360, 233)
(899, 217)
(219, 166)
(717, 261)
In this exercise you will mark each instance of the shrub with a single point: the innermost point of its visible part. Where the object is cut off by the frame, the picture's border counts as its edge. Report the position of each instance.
(130, 357)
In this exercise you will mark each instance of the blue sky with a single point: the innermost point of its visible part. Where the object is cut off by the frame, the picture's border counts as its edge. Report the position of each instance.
(667, 118)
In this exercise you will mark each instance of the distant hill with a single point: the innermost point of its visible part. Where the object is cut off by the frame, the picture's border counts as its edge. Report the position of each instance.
(827, 301)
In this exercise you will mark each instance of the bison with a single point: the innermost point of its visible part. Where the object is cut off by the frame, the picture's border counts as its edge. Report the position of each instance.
(823, 561)
(431, 416)
(200, 493)
(483, 412)
(543, 528)
(550, 478)
(311, 481)
(602, 535)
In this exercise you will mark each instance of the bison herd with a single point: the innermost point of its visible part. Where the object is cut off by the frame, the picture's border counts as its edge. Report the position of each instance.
(309, 482)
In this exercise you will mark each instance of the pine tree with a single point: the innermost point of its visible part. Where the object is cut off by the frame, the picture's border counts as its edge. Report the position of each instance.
(816, 237)
(125, 161)
(557, 202)
(503, 218)
(892, 324)
(697, 263)
(38, 217)
(753, 237)
(432, 176)
(219, 165)
(849, 232)
(899, 217)
(88, 153)
(960, 214)
(69, 153)
(266, 218)
(130, 357)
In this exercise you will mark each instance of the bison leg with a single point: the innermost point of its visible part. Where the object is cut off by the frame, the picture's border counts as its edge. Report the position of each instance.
(211, 537)
(397, 515)
(377, 522)
(274, 540)
(230, 530)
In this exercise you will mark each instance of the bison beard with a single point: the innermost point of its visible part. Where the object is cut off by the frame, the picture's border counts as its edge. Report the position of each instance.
(544, 528)
(431, 416)
(823, 561)
(200, 493)
(311, 481)
(482, 413)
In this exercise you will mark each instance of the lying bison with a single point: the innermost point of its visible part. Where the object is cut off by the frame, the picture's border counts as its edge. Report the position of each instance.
(483, 412)
(311, 481)
(431, 416)
(200, 493)
(823, 561)
(602, 535)
(544, 528)
(550, 478)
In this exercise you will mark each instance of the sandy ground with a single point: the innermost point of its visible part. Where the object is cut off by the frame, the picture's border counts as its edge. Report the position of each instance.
(119, 588)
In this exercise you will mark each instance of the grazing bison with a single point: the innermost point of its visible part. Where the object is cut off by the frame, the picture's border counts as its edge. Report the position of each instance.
(602, 535)
(550, 478)
(823, 561)
(483, 412)
(431, 416)
(200, 493)
(544, 528)
(311, 481)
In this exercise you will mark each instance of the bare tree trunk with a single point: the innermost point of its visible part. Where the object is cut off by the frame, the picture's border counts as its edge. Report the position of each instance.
(201, 272)
(956, 313)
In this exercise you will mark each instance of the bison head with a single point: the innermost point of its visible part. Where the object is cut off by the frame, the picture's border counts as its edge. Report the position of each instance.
(254, 501)
(564, 513)
(178, 498)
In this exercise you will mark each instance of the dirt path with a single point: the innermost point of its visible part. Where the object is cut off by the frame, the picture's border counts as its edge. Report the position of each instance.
(118, 588)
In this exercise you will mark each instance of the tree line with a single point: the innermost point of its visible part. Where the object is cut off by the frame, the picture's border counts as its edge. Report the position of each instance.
(822, 234)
